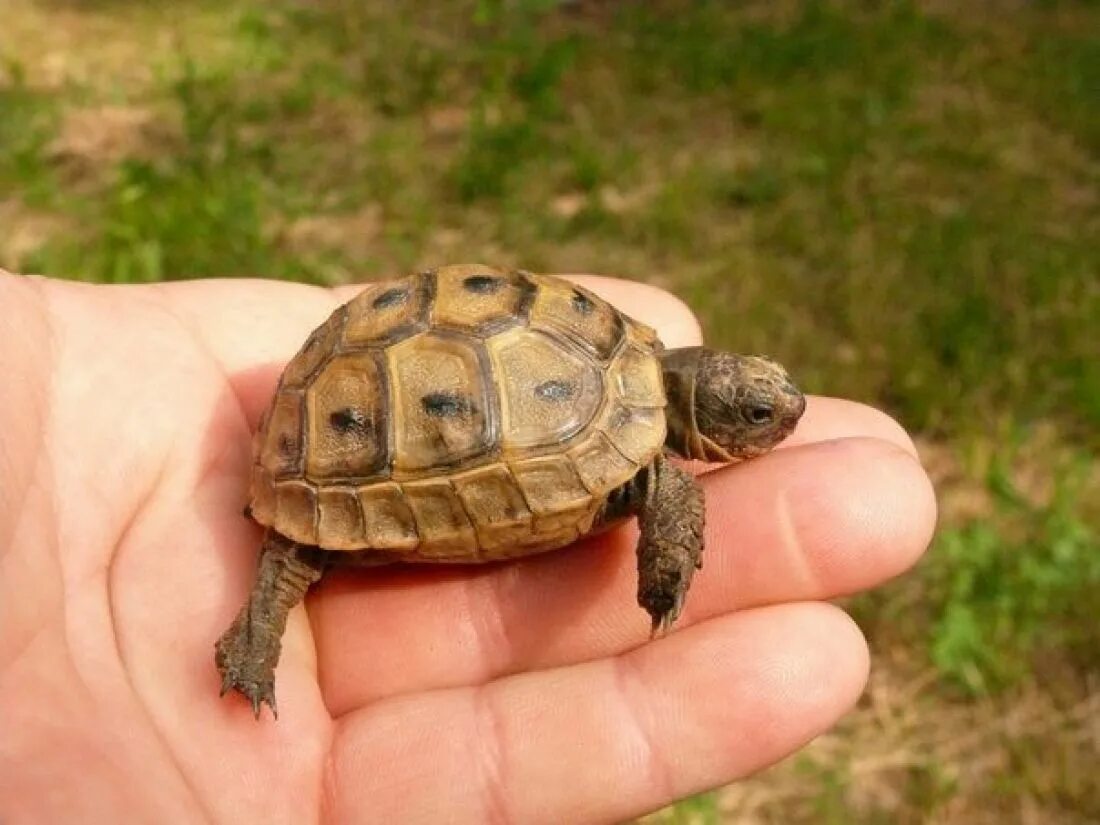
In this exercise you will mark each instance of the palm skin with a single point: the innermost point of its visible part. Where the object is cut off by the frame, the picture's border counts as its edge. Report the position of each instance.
(522, 692)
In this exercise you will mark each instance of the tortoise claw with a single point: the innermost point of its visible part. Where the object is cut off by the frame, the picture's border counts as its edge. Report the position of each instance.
(246, 670)
(261, 695)
(662, 622)
(258, 693)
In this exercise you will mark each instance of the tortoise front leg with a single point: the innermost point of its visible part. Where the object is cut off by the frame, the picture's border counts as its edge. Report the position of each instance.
(248, 651)
(671, 545)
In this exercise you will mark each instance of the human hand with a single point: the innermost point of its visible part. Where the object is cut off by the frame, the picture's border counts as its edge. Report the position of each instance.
(519, 692)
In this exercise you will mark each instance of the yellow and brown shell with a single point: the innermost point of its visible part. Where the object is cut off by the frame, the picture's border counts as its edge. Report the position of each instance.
(461, 414)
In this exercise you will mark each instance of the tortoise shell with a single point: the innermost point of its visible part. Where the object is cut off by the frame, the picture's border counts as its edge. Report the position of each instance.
(462, 414)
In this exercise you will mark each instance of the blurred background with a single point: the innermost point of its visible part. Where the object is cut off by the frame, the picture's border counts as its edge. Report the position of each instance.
(899, 200)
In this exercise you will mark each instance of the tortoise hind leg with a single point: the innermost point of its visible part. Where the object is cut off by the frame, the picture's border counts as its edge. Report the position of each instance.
(671, 545)
(248, 651)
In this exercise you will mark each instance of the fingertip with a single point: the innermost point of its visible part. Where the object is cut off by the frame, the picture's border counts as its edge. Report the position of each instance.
(774, 678)
(821, 520)
(841, 648)
(812, 666)
(920, 517)
(882, 513)
(801, 641)
(834, 667)
(896, 512)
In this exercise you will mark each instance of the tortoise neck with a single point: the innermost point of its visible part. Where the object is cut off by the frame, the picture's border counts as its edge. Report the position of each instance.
(680, 368)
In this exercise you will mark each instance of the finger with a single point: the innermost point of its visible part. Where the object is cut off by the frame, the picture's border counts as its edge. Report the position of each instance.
(810, 522)
(606, 740)
(253, 327)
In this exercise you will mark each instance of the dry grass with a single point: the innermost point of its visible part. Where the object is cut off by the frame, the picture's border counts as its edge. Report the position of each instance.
(25, 230)
(904, 745)
(105, 49)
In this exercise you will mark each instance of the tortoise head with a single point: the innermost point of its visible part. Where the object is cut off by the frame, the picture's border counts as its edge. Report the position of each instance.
(723, 406)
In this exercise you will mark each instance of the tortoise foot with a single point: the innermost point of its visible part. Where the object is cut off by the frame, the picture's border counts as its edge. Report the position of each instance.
(247, 665)
(670, 548)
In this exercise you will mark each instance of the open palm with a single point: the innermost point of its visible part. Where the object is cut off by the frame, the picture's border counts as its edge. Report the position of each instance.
(521, 692)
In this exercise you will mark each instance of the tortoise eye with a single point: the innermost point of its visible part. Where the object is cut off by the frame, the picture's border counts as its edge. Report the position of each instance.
(759, 414)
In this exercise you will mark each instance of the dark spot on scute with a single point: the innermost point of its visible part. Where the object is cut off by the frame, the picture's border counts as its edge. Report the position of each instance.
(582, 303)
(349, 420)
(447, 405)
(555, 390)
(288, 447)
(482, 284)
(391, 297)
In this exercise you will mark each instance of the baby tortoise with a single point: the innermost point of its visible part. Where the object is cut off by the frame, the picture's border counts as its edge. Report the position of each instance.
(471, 414)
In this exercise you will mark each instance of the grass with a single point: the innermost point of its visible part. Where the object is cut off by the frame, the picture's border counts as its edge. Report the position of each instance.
(1010, 585)
(897, 198)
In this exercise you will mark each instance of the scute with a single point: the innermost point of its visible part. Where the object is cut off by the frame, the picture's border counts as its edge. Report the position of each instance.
(496, 507)
(296, 505)
(635, 378)
(443, 409)
(635, 431)
(548, 392)
(282, 447)
(388, 312)
(554, 490)
(578, 314)
(444, 527)
(479, 299)
(339, 518)
(319, 346)
(346, 410)
(388, 521)
(262, 504)
(601, 466)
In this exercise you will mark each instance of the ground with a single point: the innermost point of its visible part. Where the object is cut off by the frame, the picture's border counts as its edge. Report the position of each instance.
(897, 199)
